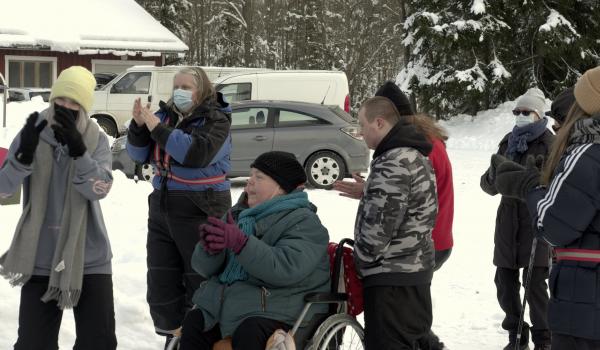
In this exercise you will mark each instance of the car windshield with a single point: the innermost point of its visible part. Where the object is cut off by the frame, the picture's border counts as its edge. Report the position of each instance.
(345, 116)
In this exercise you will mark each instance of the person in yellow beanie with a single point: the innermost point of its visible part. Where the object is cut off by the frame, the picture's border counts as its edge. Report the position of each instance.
(564, 204)
(60, 253)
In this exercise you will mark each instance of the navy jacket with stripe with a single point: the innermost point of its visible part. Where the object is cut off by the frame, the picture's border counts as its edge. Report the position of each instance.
(567, 216)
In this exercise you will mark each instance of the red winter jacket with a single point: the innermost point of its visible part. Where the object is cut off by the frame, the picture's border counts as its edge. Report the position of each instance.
(442, 231)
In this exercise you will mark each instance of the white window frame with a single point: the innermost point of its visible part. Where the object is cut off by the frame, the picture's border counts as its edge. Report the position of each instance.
(120, 63)
(54, 61)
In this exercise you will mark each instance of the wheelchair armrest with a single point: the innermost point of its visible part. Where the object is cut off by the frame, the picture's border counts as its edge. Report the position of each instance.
(325, 298)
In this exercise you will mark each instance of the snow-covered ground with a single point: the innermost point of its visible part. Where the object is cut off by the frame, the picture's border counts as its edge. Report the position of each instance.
(466, 314)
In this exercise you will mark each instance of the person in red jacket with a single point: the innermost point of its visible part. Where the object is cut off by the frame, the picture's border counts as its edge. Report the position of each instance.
(442, 231)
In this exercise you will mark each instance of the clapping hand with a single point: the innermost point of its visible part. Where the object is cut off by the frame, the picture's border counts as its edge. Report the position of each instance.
(30, 137)
(352, 189)
(220, 235)
(137, 112)
(513, 179)
(66, 133)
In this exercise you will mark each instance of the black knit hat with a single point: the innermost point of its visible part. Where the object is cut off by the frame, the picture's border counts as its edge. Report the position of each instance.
(283, 167)
(393, 92)
(561, 105)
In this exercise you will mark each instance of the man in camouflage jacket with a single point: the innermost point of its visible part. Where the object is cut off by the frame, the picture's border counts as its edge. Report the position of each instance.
(393, 249)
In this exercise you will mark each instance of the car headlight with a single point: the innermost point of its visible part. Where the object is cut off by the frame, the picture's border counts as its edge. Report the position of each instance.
(119, 144)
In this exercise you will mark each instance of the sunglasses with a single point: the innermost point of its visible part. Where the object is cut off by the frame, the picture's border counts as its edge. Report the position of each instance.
(525, 113)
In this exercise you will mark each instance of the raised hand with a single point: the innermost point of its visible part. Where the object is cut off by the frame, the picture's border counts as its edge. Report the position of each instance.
(30, 137)
(66, 133)
(352, 189)
(514, 180)
(220, 235)
(137, 112)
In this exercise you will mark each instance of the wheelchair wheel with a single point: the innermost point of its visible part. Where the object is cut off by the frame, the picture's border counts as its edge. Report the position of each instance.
(338, 332)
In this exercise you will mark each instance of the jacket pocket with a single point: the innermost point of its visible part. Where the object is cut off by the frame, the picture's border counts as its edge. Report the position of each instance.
(264, 294)
(208, 296)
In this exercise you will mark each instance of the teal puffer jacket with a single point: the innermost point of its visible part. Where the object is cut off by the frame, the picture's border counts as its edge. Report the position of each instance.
(285, 259)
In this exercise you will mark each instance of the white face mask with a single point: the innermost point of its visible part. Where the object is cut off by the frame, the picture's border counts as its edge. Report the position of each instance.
(182, 99)
(522, 120)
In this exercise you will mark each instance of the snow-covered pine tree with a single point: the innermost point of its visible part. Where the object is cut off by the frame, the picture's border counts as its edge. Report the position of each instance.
(468, 55)
(170, 13)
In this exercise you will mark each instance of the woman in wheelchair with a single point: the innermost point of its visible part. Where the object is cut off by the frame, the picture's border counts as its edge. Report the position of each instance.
(259, 261)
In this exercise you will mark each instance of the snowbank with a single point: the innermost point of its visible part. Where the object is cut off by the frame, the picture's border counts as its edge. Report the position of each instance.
(466, 314)
(485, 130)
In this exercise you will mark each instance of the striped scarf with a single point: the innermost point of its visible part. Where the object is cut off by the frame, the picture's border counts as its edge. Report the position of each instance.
(585, 131)
(247, 223)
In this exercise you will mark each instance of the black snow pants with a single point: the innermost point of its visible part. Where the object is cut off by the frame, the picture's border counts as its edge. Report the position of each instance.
(172, 237)
(508, 287)
(252, 333)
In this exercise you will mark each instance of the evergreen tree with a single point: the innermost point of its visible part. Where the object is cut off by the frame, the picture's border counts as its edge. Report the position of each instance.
(470, 55)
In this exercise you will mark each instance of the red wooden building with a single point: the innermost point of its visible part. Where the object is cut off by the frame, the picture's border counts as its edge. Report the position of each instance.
(101, 35)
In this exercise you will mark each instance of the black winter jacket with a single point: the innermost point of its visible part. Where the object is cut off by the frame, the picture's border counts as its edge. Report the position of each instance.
(567, 214)
(514, 229)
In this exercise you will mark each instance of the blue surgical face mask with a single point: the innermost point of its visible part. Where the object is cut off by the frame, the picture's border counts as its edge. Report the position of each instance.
(183, 99)
(522, 120)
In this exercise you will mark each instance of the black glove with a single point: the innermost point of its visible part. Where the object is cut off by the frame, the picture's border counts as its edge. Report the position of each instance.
(30, 137)
(491, 173)
(513, 179)
(66, 132)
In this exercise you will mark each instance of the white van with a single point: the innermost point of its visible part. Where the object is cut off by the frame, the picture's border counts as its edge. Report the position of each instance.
(114, 101)
(316, 86)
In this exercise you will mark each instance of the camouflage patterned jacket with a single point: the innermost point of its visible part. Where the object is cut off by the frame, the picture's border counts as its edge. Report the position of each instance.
(396, 215)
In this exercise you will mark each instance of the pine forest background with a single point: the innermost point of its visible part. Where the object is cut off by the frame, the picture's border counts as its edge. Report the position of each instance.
(452, 56)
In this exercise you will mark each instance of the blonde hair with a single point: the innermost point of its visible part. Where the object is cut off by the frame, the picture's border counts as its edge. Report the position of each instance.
(204, 88)
(561, 142)
(428, 127)
(379, 106)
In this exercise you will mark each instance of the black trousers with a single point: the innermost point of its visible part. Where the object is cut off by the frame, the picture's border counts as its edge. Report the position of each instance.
(39, 322)
(431, 341)
(567, 342)
(172, 237)
(396, 317)
(508, 287)
(252, 334)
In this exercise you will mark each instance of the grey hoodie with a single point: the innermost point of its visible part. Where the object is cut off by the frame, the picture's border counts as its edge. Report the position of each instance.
(92, 171)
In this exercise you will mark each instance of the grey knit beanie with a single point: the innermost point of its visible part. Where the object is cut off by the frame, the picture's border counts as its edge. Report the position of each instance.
(534, 100)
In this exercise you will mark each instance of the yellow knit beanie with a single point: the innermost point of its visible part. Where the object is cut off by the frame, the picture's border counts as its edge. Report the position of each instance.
(76, 83)
(587, 91)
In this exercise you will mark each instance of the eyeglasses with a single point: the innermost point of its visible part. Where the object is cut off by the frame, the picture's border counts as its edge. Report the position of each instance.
(517, 112)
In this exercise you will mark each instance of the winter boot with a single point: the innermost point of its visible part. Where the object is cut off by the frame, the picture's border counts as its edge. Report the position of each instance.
(542, 347)
(523, 344)
(430, 342)
(541, 338)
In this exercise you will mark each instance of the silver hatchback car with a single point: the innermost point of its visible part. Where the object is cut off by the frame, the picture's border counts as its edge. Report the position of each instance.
(325, 139)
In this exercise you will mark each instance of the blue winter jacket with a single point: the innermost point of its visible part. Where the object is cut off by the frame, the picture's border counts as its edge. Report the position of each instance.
(198, 145)
(567, 215)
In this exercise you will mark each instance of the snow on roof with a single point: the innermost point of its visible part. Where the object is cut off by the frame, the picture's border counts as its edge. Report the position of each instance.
(121, 27)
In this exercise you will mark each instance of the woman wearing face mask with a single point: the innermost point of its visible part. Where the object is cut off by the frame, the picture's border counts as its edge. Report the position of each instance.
(260, 260)
(60, 252)
(188, 142)
(514, 230)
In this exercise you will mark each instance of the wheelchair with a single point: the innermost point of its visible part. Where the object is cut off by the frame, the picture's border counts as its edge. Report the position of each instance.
(335, 330)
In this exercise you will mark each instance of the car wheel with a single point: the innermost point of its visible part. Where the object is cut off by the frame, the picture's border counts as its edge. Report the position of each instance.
(109, 127)
(146, 172)
(324, 168)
